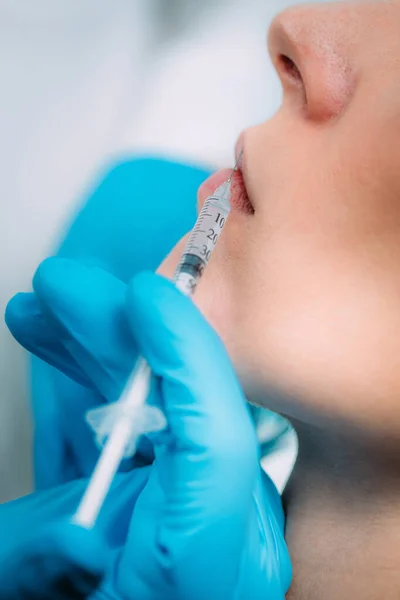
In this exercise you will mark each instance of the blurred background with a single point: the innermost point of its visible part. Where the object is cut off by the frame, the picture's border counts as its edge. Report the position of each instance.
(85, 83)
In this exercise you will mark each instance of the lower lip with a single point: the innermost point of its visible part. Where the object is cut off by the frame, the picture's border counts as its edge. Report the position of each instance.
(239, 198)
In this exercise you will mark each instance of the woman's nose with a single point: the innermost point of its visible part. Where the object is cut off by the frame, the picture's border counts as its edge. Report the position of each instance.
(310, 47)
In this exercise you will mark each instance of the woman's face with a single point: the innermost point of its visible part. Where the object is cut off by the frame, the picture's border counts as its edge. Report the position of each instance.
(305, 288)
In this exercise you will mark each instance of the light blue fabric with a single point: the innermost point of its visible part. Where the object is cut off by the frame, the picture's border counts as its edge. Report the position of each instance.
(207, 522)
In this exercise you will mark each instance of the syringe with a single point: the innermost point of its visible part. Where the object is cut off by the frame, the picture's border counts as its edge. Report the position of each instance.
(120, 425)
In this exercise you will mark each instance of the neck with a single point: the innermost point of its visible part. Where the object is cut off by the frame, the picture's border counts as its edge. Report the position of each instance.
(343, 527)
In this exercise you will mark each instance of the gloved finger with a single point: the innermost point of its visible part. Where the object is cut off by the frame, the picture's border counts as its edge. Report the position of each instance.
(85, 310)
(62, 562)
(31, 329)
(82, 321)
(210, 467)
(74, 444)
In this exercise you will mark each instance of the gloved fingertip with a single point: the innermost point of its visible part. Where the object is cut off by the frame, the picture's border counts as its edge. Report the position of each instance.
(157, 313)
(17, 309)
(68, 291)
(27, 324)
(147, 287)
(155, 301)
(51, 274)
(171, 332)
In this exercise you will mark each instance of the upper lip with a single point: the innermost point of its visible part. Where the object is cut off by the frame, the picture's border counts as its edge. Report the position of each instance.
(239, 195)
(242, 167)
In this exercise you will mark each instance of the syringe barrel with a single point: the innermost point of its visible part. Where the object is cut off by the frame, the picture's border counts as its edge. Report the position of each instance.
(202, 240)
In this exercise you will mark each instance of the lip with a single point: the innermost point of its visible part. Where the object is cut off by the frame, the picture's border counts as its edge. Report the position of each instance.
(239, 197)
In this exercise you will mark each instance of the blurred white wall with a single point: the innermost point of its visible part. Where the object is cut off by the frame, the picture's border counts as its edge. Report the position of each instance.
(85, 81)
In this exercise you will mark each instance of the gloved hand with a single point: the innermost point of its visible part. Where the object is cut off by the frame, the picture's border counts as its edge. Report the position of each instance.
(129, 223)
(58, 562)
(207, 522)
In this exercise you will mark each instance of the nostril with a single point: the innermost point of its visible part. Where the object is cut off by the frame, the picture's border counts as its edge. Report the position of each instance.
(311, 48)
(290, 69)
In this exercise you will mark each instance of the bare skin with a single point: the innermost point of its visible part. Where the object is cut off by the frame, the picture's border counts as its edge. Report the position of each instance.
(305, 292)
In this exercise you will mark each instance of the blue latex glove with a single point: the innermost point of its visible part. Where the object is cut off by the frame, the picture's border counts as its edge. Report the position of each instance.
(58, 562)
(208, 523)
(129, 223)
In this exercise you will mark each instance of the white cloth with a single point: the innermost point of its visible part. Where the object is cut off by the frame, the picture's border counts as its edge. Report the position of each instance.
(83, 82)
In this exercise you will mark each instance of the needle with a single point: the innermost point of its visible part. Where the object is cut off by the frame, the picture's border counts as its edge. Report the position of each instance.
(236, 166)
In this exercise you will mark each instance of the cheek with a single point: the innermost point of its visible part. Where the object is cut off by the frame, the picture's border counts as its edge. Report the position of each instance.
(321, 325)
(223, 291)
(234, 290)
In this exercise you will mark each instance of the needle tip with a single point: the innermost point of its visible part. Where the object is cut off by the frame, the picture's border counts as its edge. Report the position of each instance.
(236, 166)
